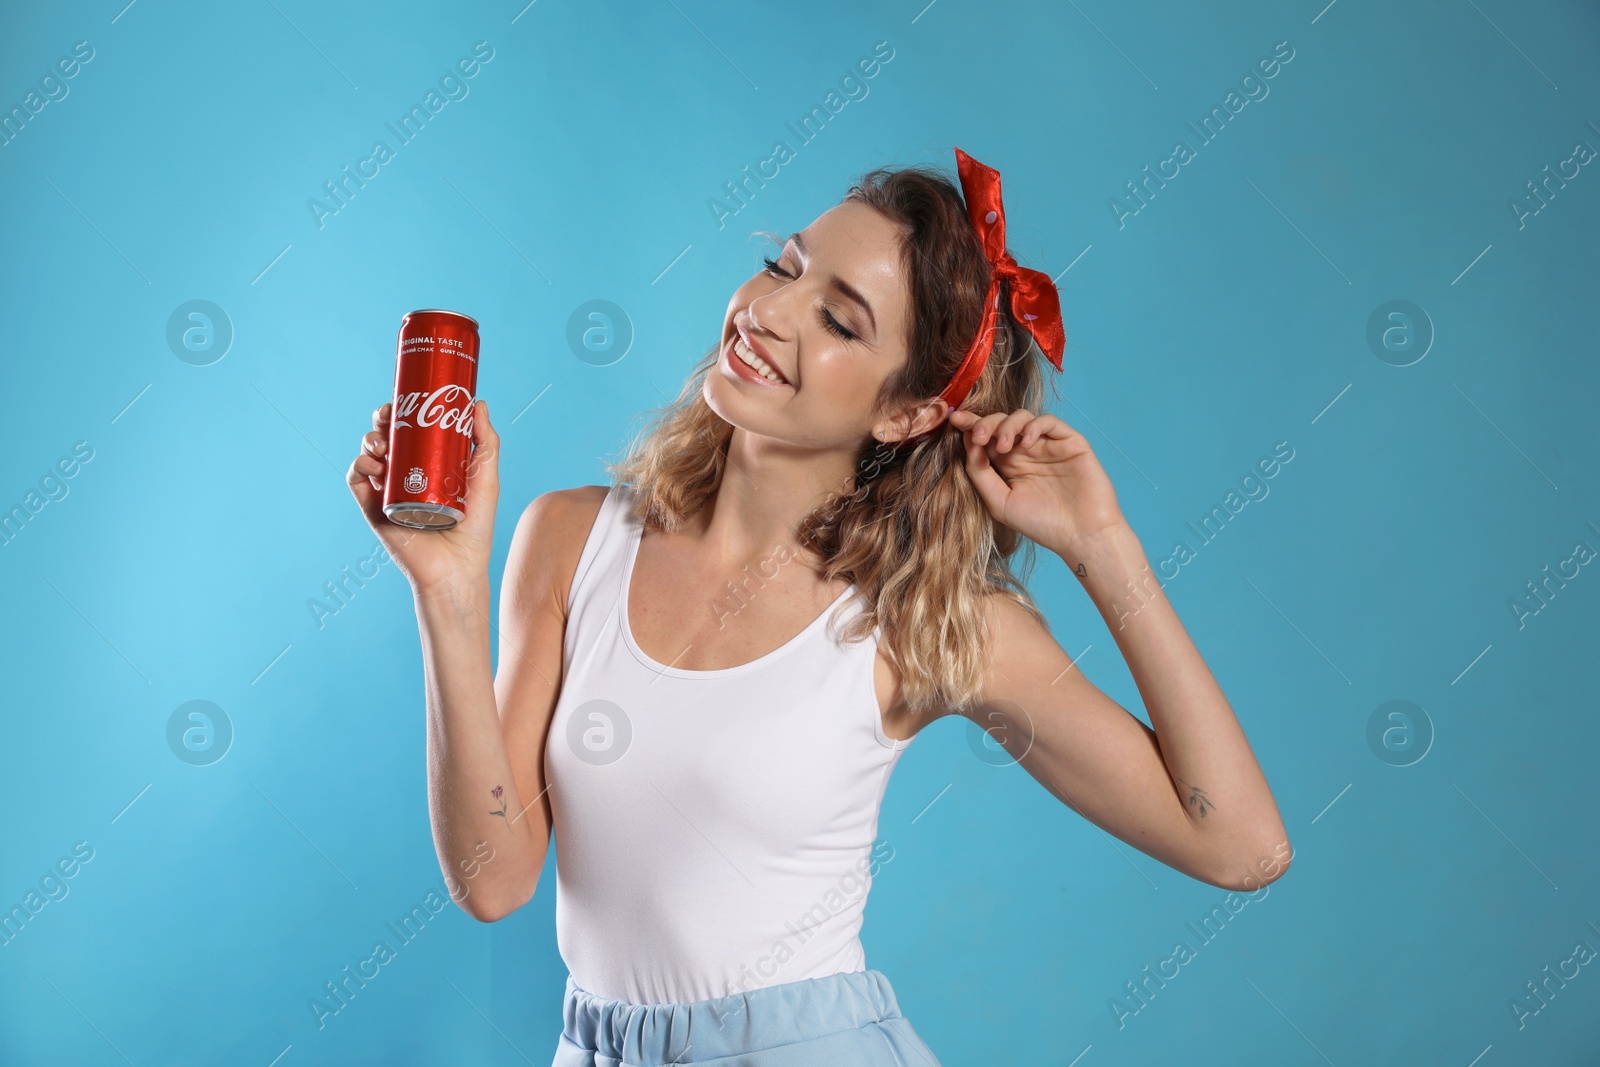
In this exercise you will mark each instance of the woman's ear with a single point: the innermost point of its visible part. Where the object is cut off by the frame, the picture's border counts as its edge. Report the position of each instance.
(927, 416)
(912, 422)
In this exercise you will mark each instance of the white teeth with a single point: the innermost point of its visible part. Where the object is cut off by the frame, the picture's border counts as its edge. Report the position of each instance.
(743, 351)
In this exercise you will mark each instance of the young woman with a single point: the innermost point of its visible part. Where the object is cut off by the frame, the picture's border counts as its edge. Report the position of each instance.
(709, 669)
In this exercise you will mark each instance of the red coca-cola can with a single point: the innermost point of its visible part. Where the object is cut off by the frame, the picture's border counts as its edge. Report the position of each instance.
(430, 426)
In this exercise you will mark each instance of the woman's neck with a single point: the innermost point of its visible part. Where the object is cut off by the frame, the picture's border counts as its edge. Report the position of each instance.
(767, 489)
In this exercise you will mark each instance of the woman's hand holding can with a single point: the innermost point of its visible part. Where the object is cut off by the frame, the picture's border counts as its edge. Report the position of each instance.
(453, 561)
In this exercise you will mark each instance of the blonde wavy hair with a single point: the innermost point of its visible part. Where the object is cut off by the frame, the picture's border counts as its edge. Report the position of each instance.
(911, 533)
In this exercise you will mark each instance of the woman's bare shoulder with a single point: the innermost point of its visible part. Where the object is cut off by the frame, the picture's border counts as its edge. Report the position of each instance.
(578, 502)
(549, 539)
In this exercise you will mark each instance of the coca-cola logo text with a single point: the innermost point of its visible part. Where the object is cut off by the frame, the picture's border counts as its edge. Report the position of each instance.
(438, 408)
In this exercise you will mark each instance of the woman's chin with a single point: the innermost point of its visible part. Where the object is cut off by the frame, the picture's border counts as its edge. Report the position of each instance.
(733, 406)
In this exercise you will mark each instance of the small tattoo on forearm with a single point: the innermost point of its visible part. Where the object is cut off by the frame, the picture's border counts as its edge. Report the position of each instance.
(1081, 571)
(1198, 798)
(499, 794)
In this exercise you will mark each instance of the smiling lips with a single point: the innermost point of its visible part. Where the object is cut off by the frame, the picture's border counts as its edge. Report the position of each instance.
(747, 355)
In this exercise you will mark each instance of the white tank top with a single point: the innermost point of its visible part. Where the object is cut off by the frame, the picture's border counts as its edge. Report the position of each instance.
(714, 830)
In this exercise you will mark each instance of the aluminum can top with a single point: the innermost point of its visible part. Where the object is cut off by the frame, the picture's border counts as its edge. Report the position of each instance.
(443, 311)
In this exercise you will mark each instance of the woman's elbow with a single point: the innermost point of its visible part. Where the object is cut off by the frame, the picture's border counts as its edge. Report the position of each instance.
(487, 908)
(1246, 874)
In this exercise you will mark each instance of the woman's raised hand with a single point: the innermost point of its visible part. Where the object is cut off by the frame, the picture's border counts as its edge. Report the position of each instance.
(1038, 476)
(434, 561)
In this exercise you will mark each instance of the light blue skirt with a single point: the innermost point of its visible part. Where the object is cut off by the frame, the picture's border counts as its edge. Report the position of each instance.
(844, 1020)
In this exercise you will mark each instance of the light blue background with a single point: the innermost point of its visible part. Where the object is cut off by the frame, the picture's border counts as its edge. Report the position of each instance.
(1228, 315)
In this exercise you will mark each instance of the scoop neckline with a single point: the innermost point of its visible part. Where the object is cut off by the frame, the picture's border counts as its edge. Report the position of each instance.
(636, 536)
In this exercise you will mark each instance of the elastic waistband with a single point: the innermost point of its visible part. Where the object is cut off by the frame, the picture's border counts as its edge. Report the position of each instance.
(598, 1030)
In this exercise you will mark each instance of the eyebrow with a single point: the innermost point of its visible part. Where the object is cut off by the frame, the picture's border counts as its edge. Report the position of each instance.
(839, 283)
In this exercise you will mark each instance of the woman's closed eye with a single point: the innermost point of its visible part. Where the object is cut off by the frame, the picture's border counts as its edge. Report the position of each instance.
(771, 267)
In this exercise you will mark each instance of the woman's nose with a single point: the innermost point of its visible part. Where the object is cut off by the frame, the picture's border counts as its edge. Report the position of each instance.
(768, 313)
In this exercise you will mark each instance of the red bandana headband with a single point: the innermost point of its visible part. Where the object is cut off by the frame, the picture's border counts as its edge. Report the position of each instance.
(1034, 303)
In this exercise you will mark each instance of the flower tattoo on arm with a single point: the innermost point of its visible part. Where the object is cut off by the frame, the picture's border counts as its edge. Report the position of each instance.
(1198, 798)
(499, 794)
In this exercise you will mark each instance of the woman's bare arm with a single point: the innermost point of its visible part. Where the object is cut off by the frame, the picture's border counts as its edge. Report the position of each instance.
(486, 736)
(1187, 789)
(1190, 792)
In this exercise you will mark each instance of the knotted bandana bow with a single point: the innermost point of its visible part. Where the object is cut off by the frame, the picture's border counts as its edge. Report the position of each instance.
(1034, 302)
